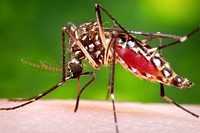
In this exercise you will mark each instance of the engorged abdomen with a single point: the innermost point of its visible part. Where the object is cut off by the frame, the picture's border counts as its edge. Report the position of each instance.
(137, 61)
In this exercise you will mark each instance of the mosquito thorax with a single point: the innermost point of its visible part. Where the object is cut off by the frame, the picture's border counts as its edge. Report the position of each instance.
(88, 34)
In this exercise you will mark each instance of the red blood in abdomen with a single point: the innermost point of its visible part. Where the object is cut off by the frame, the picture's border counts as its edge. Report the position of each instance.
(137, 61)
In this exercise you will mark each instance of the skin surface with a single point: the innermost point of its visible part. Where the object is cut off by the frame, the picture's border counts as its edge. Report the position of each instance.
(57, 116)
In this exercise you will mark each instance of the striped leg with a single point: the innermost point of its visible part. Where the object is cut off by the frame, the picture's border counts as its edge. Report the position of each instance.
(162, 91)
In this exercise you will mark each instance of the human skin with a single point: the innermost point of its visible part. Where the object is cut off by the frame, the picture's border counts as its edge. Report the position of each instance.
(57, 116)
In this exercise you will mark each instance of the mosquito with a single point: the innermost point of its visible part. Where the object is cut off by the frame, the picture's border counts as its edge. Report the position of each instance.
(105, 46)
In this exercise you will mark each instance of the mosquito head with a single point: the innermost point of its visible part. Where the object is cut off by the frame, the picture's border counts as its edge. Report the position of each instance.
(181, 82)
(75, 68)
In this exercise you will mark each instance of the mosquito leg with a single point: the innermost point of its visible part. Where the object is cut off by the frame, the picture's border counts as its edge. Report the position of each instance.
(98, 7)
(99, 21)
(111, 44)
(109, 85)
(33, 99)
(112, 77)
(159, 35)
(110, 73)
(102, 36)
(107, 54)
(107, 51)
(84, 87)
(182, 39)
(160, 44)
(70, 27)
(148, 34)
(162, 91)
(21, 99)
(154, 35)
(63, 55)
(162, 94)
(112, 87)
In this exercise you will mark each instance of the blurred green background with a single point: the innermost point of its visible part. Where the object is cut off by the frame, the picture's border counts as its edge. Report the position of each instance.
(32, 30)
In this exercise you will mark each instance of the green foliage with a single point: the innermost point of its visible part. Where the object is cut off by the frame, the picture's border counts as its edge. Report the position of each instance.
(33, 29)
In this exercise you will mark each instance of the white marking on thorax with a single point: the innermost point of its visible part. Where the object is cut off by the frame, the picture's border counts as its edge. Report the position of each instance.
(91, 46)
(97, 37)
(84, 37)
(97, 53)
(77, 52)
(97, 42)
(76, 35)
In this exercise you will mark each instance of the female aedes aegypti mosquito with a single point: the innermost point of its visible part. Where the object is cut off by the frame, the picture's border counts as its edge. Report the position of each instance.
(106, 46)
